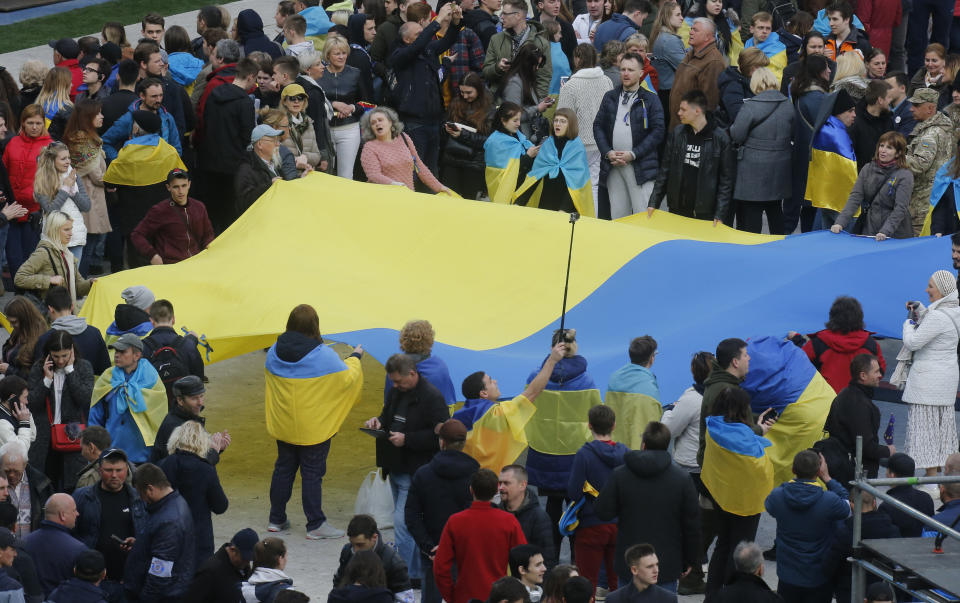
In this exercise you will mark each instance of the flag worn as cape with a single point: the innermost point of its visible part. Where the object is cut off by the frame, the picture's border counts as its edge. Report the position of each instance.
(941, 181)
(497, 437)
(736, 469)
(502, 154)
(576, 171)
(833, 166)
(782, 377)
(560, 426)
(634, 411)
(775, 51)
(143, 396)
(308, 400)
(143, 161)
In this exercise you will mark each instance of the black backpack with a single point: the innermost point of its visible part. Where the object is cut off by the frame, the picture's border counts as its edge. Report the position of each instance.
(782, 11)
(170, 364)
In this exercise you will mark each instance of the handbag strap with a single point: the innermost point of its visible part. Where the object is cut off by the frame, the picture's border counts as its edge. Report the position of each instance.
(416, 170)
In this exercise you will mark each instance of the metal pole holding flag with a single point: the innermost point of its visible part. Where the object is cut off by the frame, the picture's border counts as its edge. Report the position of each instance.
(563, 311)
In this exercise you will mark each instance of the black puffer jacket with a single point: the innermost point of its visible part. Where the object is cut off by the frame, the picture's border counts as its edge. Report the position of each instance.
(439, 489)
(416, 66)
(465, 151)
(654, 501)
(228, 119)
(716, 177)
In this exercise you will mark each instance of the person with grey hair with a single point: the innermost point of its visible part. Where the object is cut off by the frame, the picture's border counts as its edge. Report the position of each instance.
(699, 70)
(747, 584)
(262, 167)
(27, 486)
(389, 156)
(196, 479)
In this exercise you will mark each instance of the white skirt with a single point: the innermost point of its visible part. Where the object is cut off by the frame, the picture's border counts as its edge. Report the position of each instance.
(931, 434)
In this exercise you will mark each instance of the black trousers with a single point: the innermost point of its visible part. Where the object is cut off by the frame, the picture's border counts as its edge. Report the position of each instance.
(750, 216)
(731, 530)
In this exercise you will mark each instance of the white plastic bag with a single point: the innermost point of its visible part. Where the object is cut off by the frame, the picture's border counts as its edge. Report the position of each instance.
(375, 498)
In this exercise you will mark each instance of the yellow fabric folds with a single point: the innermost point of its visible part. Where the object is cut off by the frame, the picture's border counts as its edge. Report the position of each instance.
(305, 412)
(560, 425)
(799, 426)
(143, 165)
(501, 183)
(497, 438)
(634, 412)
(830, 179)
(739, 483)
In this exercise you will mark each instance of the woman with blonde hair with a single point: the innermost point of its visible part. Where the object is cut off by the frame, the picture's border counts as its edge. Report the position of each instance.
(763, 129)
(301, 138)
(87, 158)
(31, 79)
(416, 341)
(28, 325)
(113, 31)
(851, 75)
(51, 264)
(54, 97)
(667, 47)
(57, 187)
(196, 479)
(345, 88)
(882, 193)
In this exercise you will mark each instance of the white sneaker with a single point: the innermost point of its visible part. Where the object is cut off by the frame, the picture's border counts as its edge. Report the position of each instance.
(279, 527)
(325, 531)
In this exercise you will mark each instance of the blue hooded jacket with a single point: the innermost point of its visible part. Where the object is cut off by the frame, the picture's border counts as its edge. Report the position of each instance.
(593, 463)
(807, 518)
(119, 133)
(551, 471)
(318, 23)
(617, 27)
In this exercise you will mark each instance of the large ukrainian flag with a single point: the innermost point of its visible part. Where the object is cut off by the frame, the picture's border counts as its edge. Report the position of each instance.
(307, 401)
(491, 276)
(502, 154)
(774, 50)
(143, 161)
(782, 377)
(833, 167)
(575, 169)
(941, 182)
(736, 469)
(147, 404)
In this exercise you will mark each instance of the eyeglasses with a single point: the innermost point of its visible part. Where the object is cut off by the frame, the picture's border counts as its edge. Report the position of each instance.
(298, 98)
(92, 70)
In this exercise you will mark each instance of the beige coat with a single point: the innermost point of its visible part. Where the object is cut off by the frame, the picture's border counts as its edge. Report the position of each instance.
(97, 220)
(34, 275)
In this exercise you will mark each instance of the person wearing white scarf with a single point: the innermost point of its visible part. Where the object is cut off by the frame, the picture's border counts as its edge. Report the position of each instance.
(929, 360)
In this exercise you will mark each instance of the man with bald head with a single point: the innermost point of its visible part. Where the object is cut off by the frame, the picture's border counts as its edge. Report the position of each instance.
(27, 488)
(699, 70)
(52, 547)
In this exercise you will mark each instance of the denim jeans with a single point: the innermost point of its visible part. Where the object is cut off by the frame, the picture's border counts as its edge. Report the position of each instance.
(400, 485)
(426, 139)
(92, 252)
(942, 13)
(312, 463)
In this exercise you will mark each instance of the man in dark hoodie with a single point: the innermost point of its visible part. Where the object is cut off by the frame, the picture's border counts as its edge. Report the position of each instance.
(365, 536)
(131, 316)
(185, 359)
(438, 490)
(596, 540)
(902, 465)
(806, 517)
(229, 118)
(87, 338)
(219, 577)
(250, 34)
(84, 586)
(853, 413)
(728, 369)
(483, 20)
(873, 120)
(655, 502)
(386, 37)
(518, 498)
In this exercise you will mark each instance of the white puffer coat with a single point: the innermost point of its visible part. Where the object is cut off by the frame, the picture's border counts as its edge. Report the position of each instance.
(934, 374)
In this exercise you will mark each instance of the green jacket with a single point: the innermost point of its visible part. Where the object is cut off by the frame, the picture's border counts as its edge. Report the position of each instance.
(501, 47)
(718, 380)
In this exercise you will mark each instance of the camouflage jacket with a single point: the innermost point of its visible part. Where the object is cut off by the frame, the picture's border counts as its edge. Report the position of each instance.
(931, 145)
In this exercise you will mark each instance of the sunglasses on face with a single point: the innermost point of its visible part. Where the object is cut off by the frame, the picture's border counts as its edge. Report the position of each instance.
(298, 98)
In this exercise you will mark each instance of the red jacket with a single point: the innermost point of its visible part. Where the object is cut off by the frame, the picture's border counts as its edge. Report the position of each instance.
(76, 74)
(478, 539)
(174, 233)
(20, 157)
(840, 348)
(879, 18)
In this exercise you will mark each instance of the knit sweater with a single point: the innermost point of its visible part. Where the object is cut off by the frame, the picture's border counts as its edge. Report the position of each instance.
(583, 93)
(388, 162)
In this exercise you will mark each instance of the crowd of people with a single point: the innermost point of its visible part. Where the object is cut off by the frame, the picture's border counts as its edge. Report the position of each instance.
(824, 117)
